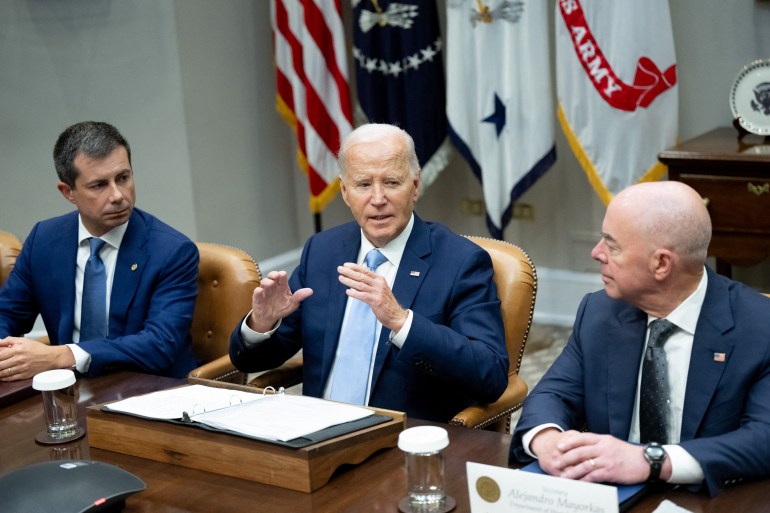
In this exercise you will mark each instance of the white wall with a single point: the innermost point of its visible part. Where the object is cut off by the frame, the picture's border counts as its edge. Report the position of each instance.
(68, 61)
(191, 85)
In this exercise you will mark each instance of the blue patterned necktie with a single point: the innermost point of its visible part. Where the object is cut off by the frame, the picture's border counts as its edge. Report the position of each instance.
(93, 309)
(351, 372)
(654, 392)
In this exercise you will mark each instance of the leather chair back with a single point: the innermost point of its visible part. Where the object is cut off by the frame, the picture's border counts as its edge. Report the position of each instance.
(10, 247)
(516, 281)
(227, 278)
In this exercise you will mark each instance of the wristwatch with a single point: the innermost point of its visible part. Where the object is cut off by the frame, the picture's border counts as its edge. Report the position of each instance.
(655, 455)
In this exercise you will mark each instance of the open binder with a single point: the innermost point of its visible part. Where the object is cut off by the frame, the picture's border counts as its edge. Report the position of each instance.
(288, 420)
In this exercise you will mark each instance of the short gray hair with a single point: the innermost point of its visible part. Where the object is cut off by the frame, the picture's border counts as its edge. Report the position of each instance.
(374, 132)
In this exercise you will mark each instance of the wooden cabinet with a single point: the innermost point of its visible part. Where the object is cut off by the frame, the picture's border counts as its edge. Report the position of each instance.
(733, 176)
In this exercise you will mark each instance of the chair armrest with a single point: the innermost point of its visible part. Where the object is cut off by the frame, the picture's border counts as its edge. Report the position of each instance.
(287, 375)
(221, 369)
(495, 415)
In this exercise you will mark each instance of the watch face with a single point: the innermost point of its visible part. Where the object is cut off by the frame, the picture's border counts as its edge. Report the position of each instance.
(654, 452)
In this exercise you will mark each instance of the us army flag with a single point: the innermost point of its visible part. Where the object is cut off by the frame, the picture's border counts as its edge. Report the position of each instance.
(400, 75)
(617, 88)
(499, 97)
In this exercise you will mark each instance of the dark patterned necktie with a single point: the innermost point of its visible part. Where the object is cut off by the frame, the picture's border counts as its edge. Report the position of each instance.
(93, 309)
(653, 392)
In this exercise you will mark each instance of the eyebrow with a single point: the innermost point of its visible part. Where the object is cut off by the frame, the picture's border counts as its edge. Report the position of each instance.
(608, 237)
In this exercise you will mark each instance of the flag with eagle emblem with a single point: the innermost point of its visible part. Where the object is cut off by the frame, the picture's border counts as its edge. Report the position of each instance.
(499, 100)
(397, 49)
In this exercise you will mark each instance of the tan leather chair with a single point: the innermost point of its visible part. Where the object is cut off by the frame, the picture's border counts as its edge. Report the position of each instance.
(10, 246)
(516, 280)
(227, 278)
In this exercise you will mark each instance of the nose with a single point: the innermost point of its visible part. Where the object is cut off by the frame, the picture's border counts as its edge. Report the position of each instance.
(116, 194)
(378, 193)
(598, 252)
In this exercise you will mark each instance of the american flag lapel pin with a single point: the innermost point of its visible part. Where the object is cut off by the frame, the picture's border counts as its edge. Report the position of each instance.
(414, 273)
(719, 357)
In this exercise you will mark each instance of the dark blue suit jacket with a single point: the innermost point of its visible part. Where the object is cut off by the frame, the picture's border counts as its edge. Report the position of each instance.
(455, 353)
(726, 418)
(151, 305)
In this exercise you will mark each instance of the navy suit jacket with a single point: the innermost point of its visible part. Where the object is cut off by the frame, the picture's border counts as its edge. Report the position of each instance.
(726, 417)
(455, 353)
(151, 304)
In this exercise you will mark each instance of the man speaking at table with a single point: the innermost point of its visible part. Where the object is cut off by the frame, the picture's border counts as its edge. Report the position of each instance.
(114, 285)
(667, 369)
(389, 310)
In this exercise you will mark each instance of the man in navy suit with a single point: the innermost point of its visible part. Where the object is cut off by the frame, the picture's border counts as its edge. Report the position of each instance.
(717, 415)
(150, 269)
(440, 344)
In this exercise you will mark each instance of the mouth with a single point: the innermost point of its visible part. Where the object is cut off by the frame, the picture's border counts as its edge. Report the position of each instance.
(118, 213)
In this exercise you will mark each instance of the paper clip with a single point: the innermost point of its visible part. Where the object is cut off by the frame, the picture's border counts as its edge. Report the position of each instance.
(273, 391)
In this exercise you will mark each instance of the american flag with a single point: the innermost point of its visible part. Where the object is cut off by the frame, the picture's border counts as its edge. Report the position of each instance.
(312, 87)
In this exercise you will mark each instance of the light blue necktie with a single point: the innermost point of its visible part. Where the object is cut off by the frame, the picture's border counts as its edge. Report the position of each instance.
(351, 372)
(93, 310)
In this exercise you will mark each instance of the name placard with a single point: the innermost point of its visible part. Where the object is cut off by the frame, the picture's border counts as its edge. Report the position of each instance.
(497, 490)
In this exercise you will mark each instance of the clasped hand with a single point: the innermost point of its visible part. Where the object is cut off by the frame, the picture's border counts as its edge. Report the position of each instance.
(22, 358)
(590, 457)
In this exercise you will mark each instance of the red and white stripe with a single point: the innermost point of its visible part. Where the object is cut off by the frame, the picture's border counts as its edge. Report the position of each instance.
(312, 87)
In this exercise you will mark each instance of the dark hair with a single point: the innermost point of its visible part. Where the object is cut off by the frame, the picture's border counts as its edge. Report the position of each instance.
(94, 139)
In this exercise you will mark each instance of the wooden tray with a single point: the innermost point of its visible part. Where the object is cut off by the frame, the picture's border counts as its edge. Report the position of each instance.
(305, 469)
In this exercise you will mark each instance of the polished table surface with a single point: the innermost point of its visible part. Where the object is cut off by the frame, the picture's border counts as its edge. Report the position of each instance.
(375, 485)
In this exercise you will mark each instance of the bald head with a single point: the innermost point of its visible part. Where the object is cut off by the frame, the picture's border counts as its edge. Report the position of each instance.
(668, 215)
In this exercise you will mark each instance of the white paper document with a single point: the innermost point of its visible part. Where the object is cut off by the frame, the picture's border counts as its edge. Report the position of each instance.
(281, 417)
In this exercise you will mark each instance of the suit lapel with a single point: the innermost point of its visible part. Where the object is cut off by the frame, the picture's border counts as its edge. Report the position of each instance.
(132, 258)
(625, 345)
(406, 285)
(64, 285)
(705, 371)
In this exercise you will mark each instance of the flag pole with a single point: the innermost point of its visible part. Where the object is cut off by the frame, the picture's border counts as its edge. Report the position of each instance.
(317, 220)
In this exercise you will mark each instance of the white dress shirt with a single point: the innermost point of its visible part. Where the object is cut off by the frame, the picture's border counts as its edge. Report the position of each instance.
(109, 256)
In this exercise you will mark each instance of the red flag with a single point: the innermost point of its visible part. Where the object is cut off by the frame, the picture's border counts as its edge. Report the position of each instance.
(312, 87)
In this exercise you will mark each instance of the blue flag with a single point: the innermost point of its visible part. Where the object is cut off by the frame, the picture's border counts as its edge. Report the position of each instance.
(400, 76)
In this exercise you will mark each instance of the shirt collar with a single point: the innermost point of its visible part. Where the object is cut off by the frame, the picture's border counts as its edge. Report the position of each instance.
(113, 237)
(685, 316)
(393, 250)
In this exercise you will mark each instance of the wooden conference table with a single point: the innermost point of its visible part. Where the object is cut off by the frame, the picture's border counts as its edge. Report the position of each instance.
(376, 485)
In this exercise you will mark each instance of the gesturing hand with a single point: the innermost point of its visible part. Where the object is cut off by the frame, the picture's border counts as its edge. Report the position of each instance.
(273, 300)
